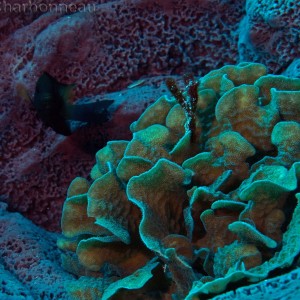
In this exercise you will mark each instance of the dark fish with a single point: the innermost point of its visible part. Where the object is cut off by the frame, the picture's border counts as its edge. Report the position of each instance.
(51, 101)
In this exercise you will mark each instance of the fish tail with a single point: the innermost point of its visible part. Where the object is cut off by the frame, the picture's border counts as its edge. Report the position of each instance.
(92, 112)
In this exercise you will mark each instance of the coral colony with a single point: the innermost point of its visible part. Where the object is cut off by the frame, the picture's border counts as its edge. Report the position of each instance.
(150, 150)
(186, 210)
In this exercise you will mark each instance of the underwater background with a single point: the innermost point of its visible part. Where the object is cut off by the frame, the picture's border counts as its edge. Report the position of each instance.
(150, 149)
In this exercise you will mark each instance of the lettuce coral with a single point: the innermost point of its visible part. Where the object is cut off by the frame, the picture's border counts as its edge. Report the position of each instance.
(170, 215)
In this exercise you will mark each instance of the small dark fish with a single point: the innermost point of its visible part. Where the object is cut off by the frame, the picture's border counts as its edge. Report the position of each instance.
(51, 101)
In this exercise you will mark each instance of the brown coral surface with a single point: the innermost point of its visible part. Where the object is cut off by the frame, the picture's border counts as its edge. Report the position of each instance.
(188, 217)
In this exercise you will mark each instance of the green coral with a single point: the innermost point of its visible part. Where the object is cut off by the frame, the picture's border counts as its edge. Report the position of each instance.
(199, 198)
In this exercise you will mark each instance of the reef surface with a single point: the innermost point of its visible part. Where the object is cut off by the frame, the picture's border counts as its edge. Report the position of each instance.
(196, 195)
(203, 199)
(103, 46)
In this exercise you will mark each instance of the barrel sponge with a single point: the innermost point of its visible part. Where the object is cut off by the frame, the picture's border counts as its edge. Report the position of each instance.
(206, 211)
